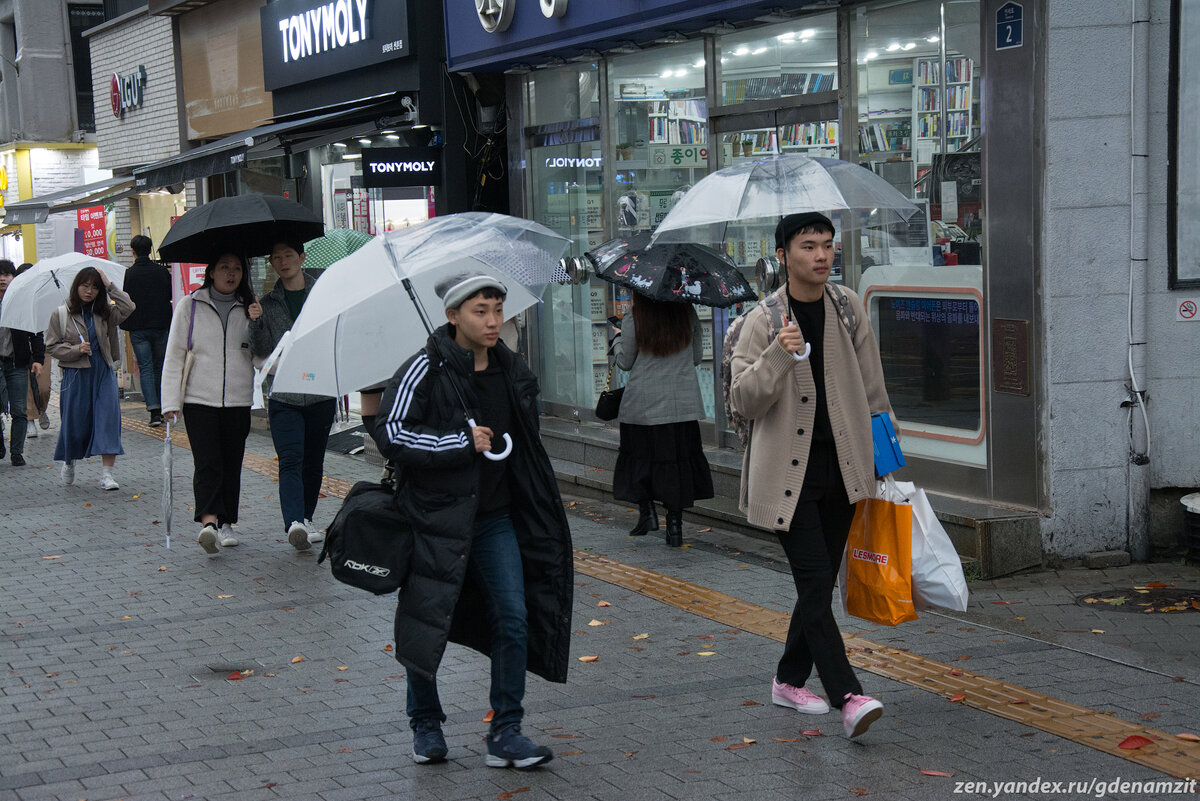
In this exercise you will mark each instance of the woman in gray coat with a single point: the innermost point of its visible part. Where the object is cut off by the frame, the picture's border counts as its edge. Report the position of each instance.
(661, 456)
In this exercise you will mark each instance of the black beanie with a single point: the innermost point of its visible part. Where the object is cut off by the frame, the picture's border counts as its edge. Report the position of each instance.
(792, 223)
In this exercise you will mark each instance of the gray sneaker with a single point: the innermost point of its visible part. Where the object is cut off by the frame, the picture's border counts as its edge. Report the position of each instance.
(208, 538)
(298, 536)
(508, 748)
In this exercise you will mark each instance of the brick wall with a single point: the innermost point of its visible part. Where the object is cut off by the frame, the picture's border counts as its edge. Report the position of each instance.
(54, 170)
(150, 131)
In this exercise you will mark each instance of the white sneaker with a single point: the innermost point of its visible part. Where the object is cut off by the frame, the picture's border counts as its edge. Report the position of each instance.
(107, 482)
(225, 536)
(315, 535)
(298, 536)
(68, 473)
(208, 538)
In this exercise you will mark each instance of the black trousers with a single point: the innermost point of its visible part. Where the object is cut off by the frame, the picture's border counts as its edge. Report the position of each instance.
(218, 438)
(814, 544)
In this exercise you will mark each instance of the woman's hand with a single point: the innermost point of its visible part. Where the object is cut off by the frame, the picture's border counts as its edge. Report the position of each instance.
(104, 278)
(171, 417)
(254, 310)
(85, 348)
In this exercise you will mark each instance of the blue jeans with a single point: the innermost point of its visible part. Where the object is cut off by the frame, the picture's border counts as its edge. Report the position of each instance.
(16, 380)
(300, 434)
(495, 567)
(150, 348)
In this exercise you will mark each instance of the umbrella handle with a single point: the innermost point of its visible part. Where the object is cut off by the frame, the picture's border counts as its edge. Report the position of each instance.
(502, 455)
(807, 352)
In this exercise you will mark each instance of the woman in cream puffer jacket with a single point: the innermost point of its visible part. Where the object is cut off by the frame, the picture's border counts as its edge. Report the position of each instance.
(211, 329)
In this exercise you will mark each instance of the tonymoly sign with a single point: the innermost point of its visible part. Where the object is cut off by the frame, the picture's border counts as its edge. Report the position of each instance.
(308, 39)
(401, 166)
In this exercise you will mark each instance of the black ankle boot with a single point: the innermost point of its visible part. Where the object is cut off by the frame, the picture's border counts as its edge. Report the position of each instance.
(647, 520)
(674, 535)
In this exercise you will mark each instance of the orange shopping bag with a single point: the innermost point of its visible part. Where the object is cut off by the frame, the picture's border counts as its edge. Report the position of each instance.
(876, 575)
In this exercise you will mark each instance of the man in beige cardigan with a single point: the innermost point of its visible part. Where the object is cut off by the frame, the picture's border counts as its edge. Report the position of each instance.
(810, 458)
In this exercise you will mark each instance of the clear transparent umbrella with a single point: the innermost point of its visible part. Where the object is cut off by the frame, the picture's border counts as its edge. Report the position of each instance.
(360, 321)
(33, 295)
(774, 186)
(168, 491)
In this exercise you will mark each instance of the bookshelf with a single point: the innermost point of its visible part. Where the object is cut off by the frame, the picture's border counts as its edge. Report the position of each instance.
(796, 81)
(928, 114)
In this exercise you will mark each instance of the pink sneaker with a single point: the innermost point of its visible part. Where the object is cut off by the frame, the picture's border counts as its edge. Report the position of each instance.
(798, 698)
(859, 712)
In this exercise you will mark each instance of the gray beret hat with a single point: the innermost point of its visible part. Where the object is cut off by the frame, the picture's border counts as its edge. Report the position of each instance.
(464, 286)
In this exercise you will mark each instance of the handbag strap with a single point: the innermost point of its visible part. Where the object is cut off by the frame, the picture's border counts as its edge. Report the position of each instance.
(191, 324)
(608, 380)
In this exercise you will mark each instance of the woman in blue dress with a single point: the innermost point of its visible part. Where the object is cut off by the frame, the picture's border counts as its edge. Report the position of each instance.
(84, 338)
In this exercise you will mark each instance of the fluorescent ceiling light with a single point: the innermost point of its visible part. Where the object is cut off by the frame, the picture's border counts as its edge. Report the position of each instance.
(893, 47)
(807, 33)
(699, 64)
(872, 54)
(680, 73)
(786, 36)
(909, 46)
(351, 156)
(364, 141)
(741, 51)
(932, 39)
(339, 144)
(759, 51)
(394, 137)
(666, 74)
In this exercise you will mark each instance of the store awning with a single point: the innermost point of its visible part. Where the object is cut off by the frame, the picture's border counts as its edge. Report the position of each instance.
(36, 210)
(233, 152)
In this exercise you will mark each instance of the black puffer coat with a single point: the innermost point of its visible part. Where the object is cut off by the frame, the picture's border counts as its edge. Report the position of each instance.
(422, 428)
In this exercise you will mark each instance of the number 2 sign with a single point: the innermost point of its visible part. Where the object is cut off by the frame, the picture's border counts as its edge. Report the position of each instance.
(1008, 26)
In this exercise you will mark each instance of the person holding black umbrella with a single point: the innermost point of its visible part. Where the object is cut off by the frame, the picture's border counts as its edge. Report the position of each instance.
(661, 456)
(208, 375)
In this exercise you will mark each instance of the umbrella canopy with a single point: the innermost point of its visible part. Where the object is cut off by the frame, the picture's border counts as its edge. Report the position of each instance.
(359, 323)
(336, 244)
(676, 273)
(247, 225)
(774, 186)
(33, 295)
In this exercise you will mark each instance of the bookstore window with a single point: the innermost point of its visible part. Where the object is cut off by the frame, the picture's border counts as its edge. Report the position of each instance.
(659, 124)
(1184, 176)
(565, 194)
(918, 108)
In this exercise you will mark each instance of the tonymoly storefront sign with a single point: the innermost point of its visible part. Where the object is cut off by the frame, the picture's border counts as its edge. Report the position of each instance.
(308, 39)
(401, 166)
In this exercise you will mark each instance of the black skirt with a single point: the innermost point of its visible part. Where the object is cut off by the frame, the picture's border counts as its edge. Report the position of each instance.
(663, 463)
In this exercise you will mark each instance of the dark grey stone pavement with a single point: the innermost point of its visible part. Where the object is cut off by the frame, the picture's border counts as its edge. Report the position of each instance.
(116, 652)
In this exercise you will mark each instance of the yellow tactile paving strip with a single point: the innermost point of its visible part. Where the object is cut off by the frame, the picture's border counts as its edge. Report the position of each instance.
(1103, 732)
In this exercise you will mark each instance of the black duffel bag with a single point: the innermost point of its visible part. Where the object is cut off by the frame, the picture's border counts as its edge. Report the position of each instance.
(369, 543)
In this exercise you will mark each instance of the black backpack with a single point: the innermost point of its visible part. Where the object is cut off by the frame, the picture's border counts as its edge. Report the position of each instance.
(369, 543)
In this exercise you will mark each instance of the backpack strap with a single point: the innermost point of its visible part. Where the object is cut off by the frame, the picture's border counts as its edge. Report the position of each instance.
(846, 313)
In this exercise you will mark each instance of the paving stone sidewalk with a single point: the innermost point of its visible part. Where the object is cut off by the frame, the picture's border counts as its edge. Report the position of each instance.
(117, 652)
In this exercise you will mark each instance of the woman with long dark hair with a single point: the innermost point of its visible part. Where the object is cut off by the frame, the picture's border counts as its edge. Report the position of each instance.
(208, 375)
(661, 457)
(84, 338)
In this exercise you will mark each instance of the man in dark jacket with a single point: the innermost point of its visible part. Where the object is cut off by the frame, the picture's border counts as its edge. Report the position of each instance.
(21, 353)
(491, 566)
(148, 283)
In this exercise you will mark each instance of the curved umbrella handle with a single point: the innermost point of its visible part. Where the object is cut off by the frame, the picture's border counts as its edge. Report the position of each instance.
(502, 455)
(807, 352)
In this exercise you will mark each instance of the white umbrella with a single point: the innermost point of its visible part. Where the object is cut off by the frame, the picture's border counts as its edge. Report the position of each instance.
(359, 323)
(33, 295)
(773, 186)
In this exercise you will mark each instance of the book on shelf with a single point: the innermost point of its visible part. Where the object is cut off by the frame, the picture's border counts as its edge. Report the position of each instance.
(810, 133)
(787, 83)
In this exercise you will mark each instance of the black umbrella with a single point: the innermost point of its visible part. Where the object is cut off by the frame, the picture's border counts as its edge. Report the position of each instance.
(676, 273)
(247, 225)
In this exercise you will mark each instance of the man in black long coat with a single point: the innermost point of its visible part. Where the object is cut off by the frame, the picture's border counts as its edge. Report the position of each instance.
(491, 566)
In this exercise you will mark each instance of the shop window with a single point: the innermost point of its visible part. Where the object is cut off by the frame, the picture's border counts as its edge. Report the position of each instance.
(80, 19)
(563, 94)
(1183, 179)
(660, 125)
(918, 108)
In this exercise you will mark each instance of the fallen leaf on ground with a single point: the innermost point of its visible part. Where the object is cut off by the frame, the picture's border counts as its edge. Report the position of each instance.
(564, 736)
(1018, 618)
(491, 713)
(162, 569)
(1090, 601)
(234, 676)
(126, 617)
(1134, 742)
(748, 741)
(789, 739)
(604, 603)
(1195, 604)
(53, 557)
(595, 622)
(737, 746)
(1004, 603)
(1191, 738)
(1019, 701)
(751, 703)
(859, 791)
(224, 596)
(958, 698)
(343, 667)
(1097, 631)
(1155, 585)
(588, 658)
(628, 754)
(706, 653)
(640, 636)
(955, 673)
(296, 659)
(570, 753)
(387, 648)
(719, 739)
(811, 732)
(704, 530)
(936, 773)
(1150, 715)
